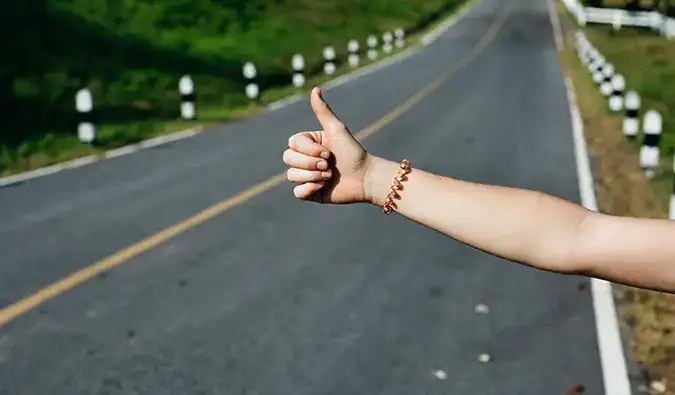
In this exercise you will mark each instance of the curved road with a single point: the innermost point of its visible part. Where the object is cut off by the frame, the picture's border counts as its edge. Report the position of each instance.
(278, 296)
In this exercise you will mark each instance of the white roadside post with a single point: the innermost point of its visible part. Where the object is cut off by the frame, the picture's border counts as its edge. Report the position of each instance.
(329, 58)
(606, 84)
(353, 48)
(387, 39)
(400, 37)
(372, 47)
(298, 66)
(649, 153)
(616, 98)
(186, 88)
(252, 89)
(631, 122)
(84, 104)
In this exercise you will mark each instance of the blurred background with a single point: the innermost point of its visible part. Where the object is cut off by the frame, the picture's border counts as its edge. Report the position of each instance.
(131, 55)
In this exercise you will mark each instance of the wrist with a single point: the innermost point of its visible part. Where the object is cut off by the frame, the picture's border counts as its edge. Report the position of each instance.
(377, 179)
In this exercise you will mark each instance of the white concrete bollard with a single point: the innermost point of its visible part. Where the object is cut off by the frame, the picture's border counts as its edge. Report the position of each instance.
(186, 87)
(252, 89)
(606, 84)
(616, 97)
(631, 123)
(353, 48)
(387, 39)
(649, 152)
(329, 58)
(298, 65)
(598, 71)
(400, 37)
(84, 104)
(372, 47)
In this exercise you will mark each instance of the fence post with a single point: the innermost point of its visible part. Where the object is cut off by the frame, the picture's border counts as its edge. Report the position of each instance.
(84, 104)
(298, 65)
(329, 56)
(616, 99)
(631, 125)
(616, 21)
(649, 153)
(353, 48)
(186, 87)
(252, 89)
(372, 47)
(400, 37)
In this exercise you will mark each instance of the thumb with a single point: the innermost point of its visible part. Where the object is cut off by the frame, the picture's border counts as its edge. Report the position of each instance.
(322, 110)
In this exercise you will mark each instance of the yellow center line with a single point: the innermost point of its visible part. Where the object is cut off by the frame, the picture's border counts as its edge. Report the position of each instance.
(81, 276)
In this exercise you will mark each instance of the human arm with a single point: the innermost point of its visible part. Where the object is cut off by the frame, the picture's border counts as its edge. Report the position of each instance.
(534, 228)
(523, 226)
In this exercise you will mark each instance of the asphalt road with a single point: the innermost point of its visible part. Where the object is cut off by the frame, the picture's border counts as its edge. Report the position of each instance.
(279, 296)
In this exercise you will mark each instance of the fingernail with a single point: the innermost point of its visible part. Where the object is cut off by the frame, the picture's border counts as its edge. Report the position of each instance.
(326, 174)
(322, 165)
(325, 154)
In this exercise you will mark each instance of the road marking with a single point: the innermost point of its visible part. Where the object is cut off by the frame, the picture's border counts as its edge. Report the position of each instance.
(555, 23)
(443, 27)
(90, 159)
(153, 142)
(81, 276)
(612, 358)
(610, 347)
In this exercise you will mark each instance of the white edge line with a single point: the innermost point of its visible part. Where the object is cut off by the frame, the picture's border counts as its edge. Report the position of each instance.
(610, 347)
(284, 102)
(363, 71)
(90, 159)
(612, 359)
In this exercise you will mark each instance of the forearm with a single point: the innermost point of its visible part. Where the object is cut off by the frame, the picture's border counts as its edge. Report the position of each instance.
(518, 225)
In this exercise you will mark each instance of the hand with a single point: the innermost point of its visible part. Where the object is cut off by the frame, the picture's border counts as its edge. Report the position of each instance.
(330, 165)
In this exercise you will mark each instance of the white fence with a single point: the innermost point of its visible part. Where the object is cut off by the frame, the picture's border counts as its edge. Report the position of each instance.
(618, 18)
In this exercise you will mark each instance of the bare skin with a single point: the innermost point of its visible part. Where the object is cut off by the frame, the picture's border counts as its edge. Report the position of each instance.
(523, 226)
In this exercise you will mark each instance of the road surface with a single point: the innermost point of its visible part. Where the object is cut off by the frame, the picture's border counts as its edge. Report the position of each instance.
(279, 296)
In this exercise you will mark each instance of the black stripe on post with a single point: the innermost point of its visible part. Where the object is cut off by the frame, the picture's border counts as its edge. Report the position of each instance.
(651, 140)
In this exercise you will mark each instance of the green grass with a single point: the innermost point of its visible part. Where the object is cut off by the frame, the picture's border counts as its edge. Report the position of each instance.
(132, 54)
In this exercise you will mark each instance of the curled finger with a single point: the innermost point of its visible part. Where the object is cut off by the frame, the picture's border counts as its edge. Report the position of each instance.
(308, 144)
(300, 176)
(297, 159)
(306, 190)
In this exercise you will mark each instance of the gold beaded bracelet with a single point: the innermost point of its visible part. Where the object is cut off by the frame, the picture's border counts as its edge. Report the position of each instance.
(388, 206)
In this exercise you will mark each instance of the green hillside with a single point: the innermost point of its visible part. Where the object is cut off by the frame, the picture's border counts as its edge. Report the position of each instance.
(131, 54)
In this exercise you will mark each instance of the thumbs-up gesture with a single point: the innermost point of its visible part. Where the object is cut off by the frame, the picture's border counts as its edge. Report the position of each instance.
(330, 165)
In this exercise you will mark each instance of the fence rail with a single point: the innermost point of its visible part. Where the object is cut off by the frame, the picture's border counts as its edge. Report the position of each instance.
(618, 18)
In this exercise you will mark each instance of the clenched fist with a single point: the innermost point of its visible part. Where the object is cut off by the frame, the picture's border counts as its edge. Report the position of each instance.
(330, 165)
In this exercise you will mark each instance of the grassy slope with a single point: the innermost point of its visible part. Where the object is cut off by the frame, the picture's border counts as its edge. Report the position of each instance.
(647, 62)
(131, 54)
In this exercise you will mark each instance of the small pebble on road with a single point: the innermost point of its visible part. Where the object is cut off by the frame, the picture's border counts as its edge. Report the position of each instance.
(577, 389)
(482, 309)
(485, 358)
